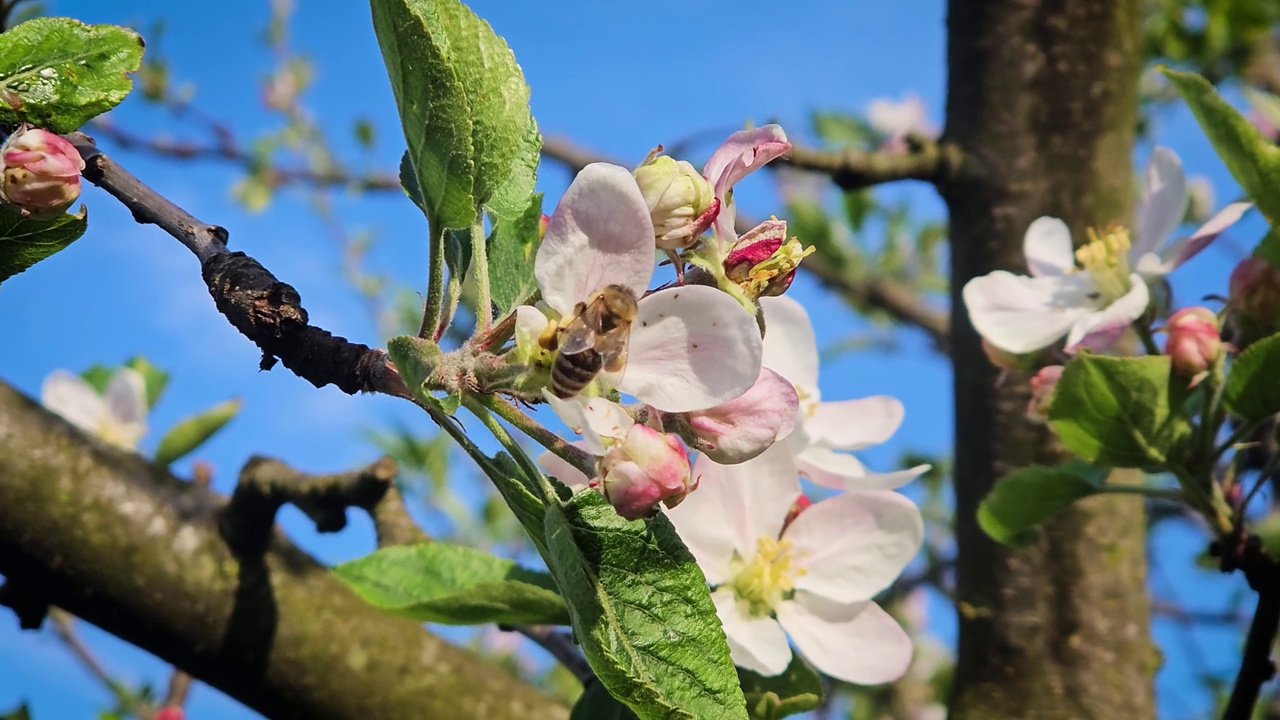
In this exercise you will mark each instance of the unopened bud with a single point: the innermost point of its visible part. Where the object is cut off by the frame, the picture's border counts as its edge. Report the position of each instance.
(1254, 307)
(645, 468)
(1043, 385)
(543, 222)
(1195, 343)
(681, 202)
(41, 176)
(763, 262)
(170, 712)
(746, 426)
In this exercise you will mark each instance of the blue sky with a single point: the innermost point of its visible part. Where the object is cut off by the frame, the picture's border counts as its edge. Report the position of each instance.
(619, 77)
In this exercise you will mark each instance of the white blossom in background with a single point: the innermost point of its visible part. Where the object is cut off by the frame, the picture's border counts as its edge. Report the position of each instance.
(690, 347)
(895, 119)
(812, 579)
(826, 432)
(117, 416)
(1092, 295)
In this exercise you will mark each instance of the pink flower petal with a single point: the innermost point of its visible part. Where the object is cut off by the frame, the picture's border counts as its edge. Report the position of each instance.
(742, 153)
(746, 426)
(790, 348)
(853, 545)
(1178, 252)
(691, 348)
(600, 234)
(756, 643)
(859, 643)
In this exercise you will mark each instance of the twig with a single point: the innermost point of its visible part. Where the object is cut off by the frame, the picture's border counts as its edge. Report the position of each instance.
(262, 308)
(1256, 666)
(900, 301)
(64, 628)
(561, 646)
(853, 169)
(266, 484)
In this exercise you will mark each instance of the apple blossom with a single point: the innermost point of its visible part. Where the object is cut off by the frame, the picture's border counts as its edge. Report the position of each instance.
(690, 347)
(742, 153)
(1195, 343)
(1094, 302)
(682, 204)
(117, 416)
(744, 427)
(1043, 385)
(812, 579)
(639, 467)
(764, 261)
(41, 173)
(894, 119)
(825, 431)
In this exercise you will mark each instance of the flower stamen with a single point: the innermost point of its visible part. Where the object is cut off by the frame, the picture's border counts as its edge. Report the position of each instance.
(768, 577)
(1106, 258)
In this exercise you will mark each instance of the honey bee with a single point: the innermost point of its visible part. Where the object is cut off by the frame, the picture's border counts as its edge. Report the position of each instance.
(595, 339)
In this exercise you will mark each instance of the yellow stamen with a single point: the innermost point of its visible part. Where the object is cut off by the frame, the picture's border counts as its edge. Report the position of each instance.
(1106, 258)
(768, 577)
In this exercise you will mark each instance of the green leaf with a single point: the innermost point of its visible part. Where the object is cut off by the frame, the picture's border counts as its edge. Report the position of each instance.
(155, 379)
(464, 106)
(58, 73)
(192, 432)
(1254, 161)
(512, 246)
(512, 197)
(444, 583)
(1252, 390)
(798, 689)
(642, 612)
(1118, 411)
(22, 712)
(25, 242)
(1028, 496)
(596, 703)
(98, 376)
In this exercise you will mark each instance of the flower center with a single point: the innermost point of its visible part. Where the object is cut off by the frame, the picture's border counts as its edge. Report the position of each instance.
(808, 401)
(114, 433)
(766, 579)
(1106, 258)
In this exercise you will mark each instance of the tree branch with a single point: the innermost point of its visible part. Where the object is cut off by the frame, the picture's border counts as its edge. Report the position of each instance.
(132, 549)
(901, 302)
(853, 169)
(1256, 667)
(262, 308)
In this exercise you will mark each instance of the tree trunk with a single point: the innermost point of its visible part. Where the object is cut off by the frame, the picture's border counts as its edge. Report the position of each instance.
(1042, 100)
(132, 549)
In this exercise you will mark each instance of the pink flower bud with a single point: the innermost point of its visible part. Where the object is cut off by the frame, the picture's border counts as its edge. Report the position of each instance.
(763, 262)
(41, 176)
(1195, 342)
(1255, 289)
(646, 468)
(746, 426)
(170, 712)
(1043, 385)
(681, 202)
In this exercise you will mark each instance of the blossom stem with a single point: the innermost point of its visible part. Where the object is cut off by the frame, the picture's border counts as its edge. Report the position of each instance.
(480, 266)
(1239, 435)
(544, 437)
(1148, 340)
(500, 433)
(435, 284)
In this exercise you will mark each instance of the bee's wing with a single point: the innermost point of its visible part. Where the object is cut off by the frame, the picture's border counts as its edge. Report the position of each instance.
(578, 337)
(615, 357)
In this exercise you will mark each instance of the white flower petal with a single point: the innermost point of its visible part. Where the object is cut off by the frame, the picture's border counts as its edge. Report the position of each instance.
(600, 234)
(734, 506)
(1176, 253)
(887, 481)
(126, 397)
(1022, 314)
(72, 397)
(842, 471)
(1100, 330)
(530, 324)
(855, 424)
(853, 545)
(790, 348)
(592, 418)
(1164, 202)
(560, 469)
(858, 643)
(746, 426)
(755, 643)
(1047, 247)
(691, 348)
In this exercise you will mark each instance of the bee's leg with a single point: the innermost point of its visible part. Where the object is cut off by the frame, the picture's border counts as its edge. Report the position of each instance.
(678, 262)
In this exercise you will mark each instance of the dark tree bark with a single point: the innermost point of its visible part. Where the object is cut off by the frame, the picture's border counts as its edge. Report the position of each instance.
(1042, 101)
(132, 549)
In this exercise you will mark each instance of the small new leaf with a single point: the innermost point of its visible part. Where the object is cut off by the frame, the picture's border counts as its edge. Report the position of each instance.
(642, 612)
(454, 584)
(1118, 411)
(193, 431)
(1254, 161)
(1026, 497)
(58, 73)
(25, 242)
(512, 246)
(798, 689)
(1252, 390)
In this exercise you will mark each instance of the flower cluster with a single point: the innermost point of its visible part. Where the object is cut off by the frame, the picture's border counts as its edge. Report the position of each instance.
(1098, 293)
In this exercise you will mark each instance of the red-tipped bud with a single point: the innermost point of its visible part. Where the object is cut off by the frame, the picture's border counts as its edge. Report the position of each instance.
(1195, 343)
(41, 173)
(763, 262)
(645, 468)
(1043, 385)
